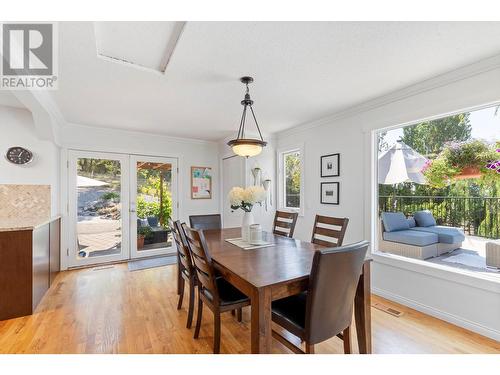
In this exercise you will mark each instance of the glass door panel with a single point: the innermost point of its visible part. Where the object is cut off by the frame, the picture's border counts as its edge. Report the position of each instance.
(99, 207)
(153, 202)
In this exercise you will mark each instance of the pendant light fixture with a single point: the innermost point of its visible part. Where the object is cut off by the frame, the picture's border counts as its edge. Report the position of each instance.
(247, 146)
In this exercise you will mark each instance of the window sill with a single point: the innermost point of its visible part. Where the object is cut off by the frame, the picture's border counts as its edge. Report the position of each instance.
(491, 284)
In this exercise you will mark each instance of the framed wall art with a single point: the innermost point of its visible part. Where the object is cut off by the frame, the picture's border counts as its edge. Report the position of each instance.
(330, 192)
(201, 183)
(330, 165)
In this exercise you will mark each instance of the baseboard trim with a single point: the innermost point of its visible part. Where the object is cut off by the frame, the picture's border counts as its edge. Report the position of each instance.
(443, 315)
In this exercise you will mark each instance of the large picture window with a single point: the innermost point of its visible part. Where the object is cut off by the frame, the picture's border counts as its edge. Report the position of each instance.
(439, 191)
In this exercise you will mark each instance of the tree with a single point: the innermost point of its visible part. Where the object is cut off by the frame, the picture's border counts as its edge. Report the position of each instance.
(429, 137)
(382, 143)
(292, 176)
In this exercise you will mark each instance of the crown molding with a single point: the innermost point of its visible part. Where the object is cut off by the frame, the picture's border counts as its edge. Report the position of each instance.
(142, 133)
(459, 74)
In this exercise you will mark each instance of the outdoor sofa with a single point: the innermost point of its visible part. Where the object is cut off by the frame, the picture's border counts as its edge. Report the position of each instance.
(158, 233)
(418, 236)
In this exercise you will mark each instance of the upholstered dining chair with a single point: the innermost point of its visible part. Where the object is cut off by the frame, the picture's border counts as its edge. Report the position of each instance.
(284, 223)
(203, 222)
(186, 271)
(323, 235)
(325, 309)
(215, 292)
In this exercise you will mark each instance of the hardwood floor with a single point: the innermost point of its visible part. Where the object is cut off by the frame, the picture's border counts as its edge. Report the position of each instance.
(113, 310)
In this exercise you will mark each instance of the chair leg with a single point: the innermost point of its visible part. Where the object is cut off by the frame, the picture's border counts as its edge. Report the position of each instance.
(179, 277)
(233, 312)
(191, 304)
(240, 313)
(347, 340)
(198, 317)
(182, 282)
(216, 332)
(309, 348)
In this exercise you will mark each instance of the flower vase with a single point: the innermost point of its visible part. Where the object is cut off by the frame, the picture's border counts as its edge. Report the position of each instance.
(245, 226)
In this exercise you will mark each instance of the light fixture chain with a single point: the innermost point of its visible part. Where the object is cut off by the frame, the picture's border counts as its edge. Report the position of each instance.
(256, 123)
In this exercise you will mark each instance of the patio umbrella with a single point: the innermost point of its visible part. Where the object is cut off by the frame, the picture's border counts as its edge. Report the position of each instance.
(399, 164)
(89, 182)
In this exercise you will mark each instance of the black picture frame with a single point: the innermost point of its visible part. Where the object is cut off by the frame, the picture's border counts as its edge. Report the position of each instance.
(336, 200)
(335, 159)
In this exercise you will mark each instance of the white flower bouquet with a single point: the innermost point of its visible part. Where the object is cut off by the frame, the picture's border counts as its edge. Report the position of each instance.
(246, 198)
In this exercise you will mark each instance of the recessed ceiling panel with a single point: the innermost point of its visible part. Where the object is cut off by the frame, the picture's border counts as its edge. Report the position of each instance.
(144, 44)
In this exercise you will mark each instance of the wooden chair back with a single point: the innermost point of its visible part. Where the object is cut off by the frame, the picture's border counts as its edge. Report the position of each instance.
(185, 261)
(284, 223)
(328, 228)
(332, 287)
(205, 221)
(202, 261)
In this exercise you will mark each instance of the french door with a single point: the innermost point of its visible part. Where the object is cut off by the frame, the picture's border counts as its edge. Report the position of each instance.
(153, 200)
(119, 206)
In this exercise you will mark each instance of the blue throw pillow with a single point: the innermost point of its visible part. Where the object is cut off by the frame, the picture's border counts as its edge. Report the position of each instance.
(394, 221)
(424, 218)
(411, 222)
(153, 221)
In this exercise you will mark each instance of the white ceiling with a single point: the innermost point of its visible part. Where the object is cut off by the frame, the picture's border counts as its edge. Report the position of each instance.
(8, 99)
(303, 71)
(146, 44)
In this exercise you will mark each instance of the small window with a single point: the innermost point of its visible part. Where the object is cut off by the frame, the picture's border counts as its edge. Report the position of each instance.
(291, 179)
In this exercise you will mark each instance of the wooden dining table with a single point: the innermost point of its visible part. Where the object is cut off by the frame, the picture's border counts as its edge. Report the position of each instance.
(269, 273)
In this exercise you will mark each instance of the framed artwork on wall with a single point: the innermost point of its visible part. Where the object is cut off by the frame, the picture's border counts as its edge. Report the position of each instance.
(330, 165)
(201, 183)
(330, 192)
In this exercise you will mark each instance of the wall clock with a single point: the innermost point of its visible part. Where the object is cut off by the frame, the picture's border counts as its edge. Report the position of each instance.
(19, 155)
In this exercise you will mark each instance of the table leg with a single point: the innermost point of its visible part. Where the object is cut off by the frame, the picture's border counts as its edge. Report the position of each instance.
(362, 311)
(261, 329)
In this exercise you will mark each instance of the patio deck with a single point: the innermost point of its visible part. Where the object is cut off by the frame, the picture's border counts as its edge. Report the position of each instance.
(470, 257)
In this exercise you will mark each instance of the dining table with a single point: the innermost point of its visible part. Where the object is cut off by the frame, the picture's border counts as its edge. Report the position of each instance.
(276, 271)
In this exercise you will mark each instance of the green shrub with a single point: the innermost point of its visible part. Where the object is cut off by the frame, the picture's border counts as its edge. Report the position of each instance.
(111, 195)
(145, 209)
(145, 232)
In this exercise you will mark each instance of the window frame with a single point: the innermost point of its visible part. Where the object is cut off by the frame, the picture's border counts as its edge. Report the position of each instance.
(282, 180)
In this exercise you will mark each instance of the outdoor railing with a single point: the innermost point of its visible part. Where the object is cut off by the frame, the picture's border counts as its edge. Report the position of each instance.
(477, 216)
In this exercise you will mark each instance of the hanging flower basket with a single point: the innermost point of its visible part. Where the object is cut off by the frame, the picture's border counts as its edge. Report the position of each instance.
(469, 172)
(460, 161)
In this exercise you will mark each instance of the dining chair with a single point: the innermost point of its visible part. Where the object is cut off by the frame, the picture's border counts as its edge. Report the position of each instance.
(284, 223)
(325, 309)
(321, 235)
(215, 292)
(186, 271)
(212, 221)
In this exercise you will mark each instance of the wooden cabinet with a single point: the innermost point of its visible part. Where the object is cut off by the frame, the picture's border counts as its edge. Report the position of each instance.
(29, 262)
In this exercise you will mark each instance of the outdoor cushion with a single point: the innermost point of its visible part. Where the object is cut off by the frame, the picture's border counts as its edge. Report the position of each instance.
(394, 221)
(142, 223)
(152, 221)
(445, 234)
(411, 237)
(424, 218)
(411, 222)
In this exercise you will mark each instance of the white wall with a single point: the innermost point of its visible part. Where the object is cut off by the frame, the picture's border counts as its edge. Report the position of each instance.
(350, 134)
(17, 129)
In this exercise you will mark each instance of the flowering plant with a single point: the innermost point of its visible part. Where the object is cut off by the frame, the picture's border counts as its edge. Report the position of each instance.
(246, 198)
(457, 157)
